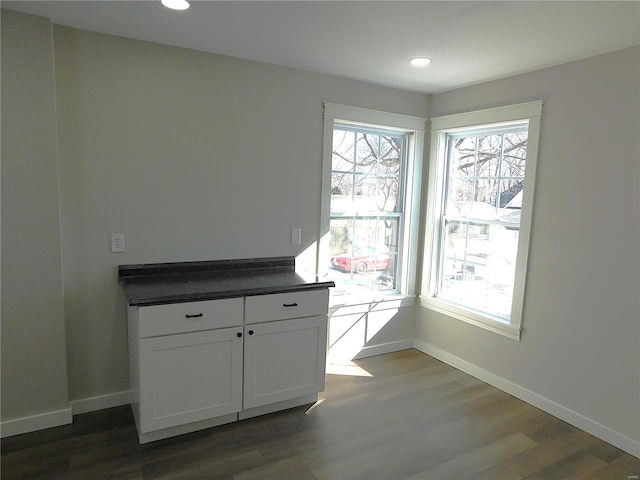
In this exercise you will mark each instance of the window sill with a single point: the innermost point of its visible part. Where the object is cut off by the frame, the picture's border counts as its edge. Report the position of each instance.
(472, 318)
(345, 304)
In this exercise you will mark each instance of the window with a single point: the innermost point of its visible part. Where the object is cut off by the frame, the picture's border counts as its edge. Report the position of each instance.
(370, 197)
(479, 211)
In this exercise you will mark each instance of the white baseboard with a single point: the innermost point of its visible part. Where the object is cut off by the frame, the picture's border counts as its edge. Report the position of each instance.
(596, 429)
(33, 423)
(57, 418)
(100, 402)
(382, 348)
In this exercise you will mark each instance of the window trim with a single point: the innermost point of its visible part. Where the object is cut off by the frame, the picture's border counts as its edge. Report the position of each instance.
(415, 126)
(452, 124)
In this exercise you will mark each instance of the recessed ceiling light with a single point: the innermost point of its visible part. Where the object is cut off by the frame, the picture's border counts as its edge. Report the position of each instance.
(420, 61)
(176, 4)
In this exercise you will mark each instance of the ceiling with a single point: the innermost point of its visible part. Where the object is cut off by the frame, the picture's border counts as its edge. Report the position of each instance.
(371, 41)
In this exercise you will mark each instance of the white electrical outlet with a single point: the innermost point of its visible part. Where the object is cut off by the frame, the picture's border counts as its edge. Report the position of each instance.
(117, 242)
(296, 236)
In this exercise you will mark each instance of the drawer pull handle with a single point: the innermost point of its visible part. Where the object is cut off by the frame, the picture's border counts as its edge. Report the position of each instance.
(289, 304)
(239, 334)
(250, 332)
(194, 316)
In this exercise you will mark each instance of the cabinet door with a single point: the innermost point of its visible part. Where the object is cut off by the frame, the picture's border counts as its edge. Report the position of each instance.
(190, 377)
(284, 360)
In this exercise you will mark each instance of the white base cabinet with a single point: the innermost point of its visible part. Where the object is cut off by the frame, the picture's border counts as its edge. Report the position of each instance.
(199, 364)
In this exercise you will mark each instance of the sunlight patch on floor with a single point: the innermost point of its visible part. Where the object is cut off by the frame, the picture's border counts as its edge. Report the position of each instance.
(346, 367)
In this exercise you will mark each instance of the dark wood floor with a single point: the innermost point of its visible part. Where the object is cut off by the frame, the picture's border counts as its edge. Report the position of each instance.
(412, 418)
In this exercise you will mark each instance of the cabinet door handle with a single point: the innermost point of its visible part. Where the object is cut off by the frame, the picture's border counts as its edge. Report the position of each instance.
(239, 334)
(196, 315)
(250, 332)
(289, 304)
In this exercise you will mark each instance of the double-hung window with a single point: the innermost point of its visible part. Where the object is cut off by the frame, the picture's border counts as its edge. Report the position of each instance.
(371, 196)
(479, 214)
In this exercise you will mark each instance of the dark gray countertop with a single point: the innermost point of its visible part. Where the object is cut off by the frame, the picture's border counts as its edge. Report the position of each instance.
(160, 283)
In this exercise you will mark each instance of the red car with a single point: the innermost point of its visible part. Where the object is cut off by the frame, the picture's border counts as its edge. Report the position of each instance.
(361, 261)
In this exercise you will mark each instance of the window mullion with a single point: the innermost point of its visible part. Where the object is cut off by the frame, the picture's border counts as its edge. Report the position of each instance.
(475, 174)
(353, 173)
(499, 174)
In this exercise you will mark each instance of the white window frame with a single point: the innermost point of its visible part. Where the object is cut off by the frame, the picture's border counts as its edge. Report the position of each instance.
(441, 127)
(415, 126)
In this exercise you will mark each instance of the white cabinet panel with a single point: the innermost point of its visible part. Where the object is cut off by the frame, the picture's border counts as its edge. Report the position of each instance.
(189, 377)
(284, 360)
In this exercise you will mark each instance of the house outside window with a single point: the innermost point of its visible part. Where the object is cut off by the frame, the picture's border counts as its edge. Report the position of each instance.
(479, 215)
(370, 202)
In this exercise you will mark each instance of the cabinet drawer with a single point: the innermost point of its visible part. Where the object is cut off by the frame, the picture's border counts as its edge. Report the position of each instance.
(174, 318)
(281, 306)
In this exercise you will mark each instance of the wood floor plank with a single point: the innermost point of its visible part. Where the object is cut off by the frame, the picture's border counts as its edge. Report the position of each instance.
(545, 454)
(376, 461)
(576, 465)
(410, 417)
(625, 467)
(469, 464)
(292, 467)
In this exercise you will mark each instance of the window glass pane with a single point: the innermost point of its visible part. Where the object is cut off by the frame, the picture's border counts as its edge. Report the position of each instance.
(460, 194)
(489, 156)
(367, 149)
(390, 152)
(363, 254)
(342, 159)
(366, 188)
(510, 193)
(387, 198)
(478, 266)
(515, 154)
(341, 191)
(485, 197)
(462, 156)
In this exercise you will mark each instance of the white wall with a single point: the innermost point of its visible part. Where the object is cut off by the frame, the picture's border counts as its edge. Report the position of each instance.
(194, 157)
(358, 331)
(34, 378)
(580, 345)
